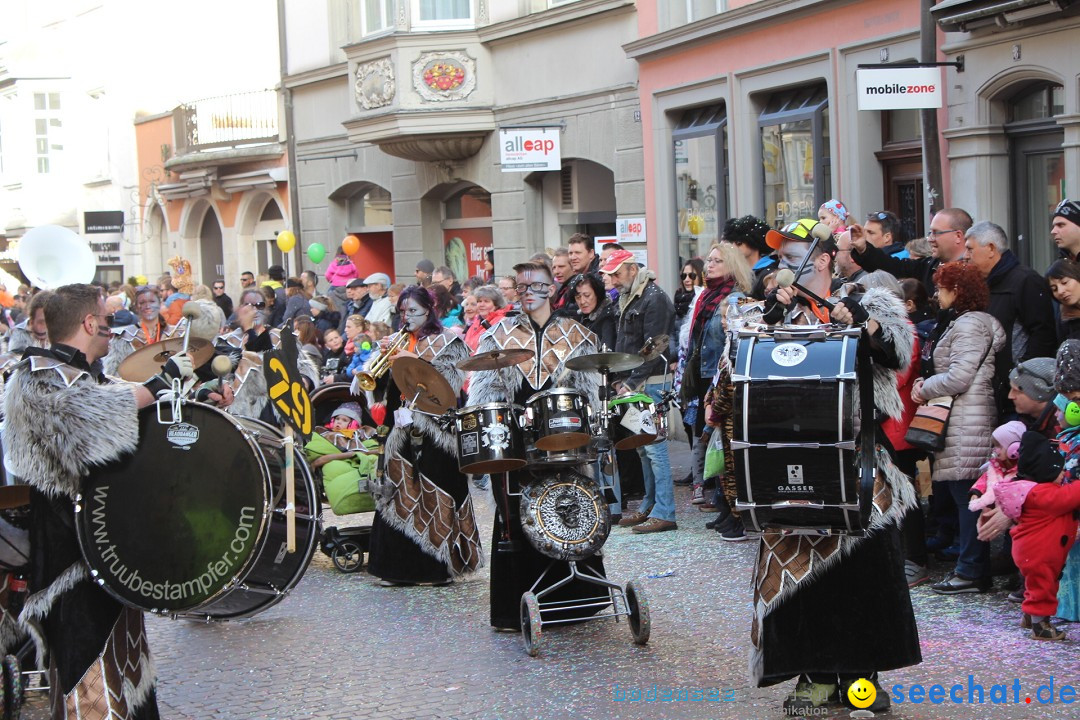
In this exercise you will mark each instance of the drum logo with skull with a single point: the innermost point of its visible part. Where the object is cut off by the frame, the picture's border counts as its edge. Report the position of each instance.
(565, 517)
(496, 437)
(789, 354)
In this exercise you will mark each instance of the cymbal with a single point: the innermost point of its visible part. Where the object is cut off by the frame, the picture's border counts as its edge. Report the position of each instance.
(496, 359)
(413, 375)
(654, 347)
(146, 362)
(606, 362)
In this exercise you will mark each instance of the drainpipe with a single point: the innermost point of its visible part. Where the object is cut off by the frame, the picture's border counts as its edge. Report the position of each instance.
(931, 140)
(290, 136)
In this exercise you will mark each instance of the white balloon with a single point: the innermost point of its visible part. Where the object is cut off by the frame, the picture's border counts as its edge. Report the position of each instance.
(52, 256)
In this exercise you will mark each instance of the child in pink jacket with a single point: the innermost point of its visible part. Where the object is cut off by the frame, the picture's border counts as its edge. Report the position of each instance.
(341, 269)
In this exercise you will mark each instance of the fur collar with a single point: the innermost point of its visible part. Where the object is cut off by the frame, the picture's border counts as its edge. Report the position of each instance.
(637, 289)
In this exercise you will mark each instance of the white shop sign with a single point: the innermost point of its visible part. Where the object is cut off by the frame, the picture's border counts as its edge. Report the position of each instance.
(899, 88)
(631, 230)
(529, 149)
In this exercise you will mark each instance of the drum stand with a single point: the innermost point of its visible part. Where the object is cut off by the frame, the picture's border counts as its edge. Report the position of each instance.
(631, 602)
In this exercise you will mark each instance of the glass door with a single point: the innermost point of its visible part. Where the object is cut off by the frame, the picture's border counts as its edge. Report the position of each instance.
(1039, 185)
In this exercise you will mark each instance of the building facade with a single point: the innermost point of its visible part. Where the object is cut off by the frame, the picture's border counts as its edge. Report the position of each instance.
(398, 107)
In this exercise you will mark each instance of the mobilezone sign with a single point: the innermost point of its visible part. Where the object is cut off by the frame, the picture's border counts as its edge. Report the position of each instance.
(898, 88)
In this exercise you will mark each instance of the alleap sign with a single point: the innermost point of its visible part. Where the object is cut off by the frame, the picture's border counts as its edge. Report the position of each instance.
(529, 149)
(898, 88)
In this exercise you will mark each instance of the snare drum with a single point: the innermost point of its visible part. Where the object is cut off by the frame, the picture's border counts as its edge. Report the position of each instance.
(489, 439)
(193, 523)
(802, 447)
(633, 422)
(558, 419)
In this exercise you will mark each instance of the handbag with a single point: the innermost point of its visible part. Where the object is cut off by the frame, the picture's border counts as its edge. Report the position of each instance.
(930, 423)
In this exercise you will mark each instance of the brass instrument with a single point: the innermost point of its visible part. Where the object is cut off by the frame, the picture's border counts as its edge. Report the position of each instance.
(366, 378)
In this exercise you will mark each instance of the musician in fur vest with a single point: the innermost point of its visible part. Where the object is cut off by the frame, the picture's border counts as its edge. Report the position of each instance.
(554, 339)
(832, 609)
(62, 418)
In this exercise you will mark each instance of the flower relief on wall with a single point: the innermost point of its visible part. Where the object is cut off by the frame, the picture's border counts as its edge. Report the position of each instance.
(445, 75)
(375, 84)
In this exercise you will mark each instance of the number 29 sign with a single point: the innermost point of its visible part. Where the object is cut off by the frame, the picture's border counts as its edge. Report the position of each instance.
(286, 390)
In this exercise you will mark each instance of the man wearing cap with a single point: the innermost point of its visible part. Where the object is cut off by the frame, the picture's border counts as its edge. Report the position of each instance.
(277, 281)
(358, 302)
(748, 234)
(377, 283)
(1065, 229)
(424, 270)
(645, 311)
(841, 582)
(946, 236)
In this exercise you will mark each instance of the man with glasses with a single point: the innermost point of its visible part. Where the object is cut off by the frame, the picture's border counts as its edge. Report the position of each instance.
(223, 301)
(553, 339)
(884, 231)
(946, 236)
(645, 311)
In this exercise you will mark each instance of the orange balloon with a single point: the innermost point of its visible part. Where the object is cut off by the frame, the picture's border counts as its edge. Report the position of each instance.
(351, 245)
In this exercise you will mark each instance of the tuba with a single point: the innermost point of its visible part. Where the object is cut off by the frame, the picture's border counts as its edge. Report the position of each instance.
(51, 256)
(381, 364)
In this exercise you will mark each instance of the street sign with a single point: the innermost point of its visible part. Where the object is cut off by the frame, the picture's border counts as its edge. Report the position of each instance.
(898, 88)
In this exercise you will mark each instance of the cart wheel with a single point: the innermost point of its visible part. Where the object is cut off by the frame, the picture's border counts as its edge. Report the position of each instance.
(348, 556)
(530, 623)
(637, 603)
(13, 688)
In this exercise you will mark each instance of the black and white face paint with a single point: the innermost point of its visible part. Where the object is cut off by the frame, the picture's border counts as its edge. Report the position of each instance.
(413, 315)
(147, 305)
(534, 288)
(791, 256)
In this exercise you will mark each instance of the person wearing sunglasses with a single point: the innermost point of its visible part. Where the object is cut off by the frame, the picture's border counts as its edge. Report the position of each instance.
(221, 298)
(64, 417)
(553, 339)
(884, 231)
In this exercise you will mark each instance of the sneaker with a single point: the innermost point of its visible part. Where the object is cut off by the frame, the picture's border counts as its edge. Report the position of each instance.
(808, 695)
(735, 532)
(632, 519)
(1016, 596)
(1025, 621)
(1043, 630)
(916, 574)
(881, 700)
(699, 495)
(955, 584)
(654, 525)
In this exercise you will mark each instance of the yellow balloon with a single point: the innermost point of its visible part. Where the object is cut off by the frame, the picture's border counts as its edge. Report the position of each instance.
(286, 241)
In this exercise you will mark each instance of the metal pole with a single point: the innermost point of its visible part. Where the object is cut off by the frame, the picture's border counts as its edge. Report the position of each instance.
(931, 141)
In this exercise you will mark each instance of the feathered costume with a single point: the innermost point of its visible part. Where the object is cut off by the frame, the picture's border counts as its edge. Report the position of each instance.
(62, 420)
(425, 528)
(515, 563)
(840, 605)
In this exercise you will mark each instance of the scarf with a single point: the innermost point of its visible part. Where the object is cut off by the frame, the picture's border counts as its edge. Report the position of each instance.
(716, 289)
(682, 299)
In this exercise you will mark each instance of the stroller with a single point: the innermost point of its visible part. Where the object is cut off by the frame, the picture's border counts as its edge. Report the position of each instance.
(345, 546)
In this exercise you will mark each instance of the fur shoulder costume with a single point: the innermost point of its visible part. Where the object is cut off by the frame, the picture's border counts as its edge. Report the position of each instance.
(786, 565)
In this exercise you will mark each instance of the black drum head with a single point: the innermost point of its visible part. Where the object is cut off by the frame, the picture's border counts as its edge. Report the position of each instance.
(167, 528)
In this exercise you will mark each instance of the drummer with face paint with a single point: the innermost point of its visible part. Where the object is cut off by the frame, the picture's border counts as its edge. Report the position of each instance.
(554, 339)
(425, 530)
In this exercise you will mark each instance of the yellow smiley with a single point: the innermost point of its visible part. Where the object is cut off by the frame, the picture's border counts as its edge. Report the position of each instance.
(862, 693)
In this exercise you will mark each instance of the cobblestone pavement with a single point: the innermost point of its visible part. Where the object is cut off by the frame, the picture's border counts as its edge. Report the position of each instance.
(342, 647)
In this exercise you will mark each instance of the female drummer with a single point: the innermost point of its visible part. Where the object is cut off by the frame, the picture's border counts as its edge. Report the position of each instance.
(424, 531)
(703, 342)
(150, 328)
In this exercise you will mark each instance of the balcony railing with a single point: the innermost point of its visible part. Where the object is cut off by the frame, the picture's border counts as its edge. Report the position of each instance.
(226, 121)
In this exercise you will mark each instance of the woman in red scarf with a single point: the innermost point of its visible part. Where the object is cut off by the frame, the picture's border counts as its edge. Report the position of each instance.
(491, 307)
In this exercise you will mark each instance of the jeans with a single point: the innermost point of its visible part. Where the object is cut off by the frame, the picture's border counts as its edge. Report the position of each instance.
(656, 469)
(603, 480)
(974, 560)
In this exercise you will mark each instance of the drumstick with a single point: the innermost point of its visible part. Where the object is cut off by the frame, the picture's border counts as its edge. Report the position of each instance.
(290, 492)
(190, 312)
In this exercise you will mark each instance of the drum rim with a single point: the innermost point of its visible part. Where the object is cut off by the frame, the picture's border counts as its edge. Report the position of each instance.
(485, 406)
(256, 550)
(561, 390)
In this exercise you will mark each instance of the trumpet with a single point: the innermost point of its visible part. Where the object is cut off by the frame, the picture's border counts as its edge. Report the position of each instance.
(378, 368)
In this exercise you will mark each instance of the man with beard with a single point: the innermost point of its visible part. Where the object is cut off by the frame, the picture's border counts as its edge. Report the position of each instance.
(515, 563)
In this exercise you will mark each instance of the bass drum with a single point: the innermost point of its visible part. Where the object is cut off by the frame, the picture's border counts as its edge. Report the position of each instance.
(193, 522)
(565, 516)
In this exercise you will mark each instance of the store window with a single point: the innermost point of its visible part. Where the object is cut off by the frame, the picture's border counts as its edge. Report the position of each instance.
(1038, 169)
(467, 235)
(701, 179)
(795, 153)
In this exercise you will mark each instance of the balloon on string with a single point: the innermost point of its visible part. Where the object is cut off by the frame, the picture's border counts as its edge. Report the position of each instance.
(286, 241)
(350, 245)
(316, 252)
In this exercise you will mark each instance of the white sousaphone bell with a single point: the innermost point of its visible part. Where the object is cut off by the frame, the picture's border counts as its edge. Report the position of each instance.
(51, 256)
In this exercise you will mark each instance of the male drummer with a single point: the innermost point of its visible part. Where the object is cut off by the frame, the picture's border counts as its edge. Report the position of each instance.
(62, 417)
(554, 339)
(853, 589)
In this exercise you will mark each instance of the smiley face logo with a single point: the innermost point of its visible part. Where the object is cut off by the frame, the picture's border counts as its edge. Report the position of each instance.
(862, 693)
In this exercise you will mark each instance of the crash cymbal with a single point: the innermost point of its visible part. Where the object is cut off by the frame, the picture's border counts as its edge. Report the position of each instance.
(606, 362)
(413, 375)
(654, 347)
(496, 359)
(146, 362)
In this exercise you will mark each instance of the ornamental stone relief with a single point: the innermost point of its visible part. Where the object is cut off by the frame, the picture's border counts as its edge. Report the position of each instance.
(443, 76)
(375, 84)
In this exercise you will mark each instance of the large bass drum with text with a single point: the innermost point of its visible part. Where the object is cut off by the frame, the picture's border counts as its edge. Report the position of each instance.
(193, 522)
(803, 441)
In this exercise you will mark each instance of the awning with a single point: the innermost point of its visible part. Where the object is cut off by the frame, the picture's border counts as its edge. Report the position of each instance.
(966, 15)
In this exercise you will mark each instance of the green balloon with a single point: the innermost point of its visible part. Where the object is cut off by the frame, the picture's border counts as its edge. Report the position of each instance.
(316, 252)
